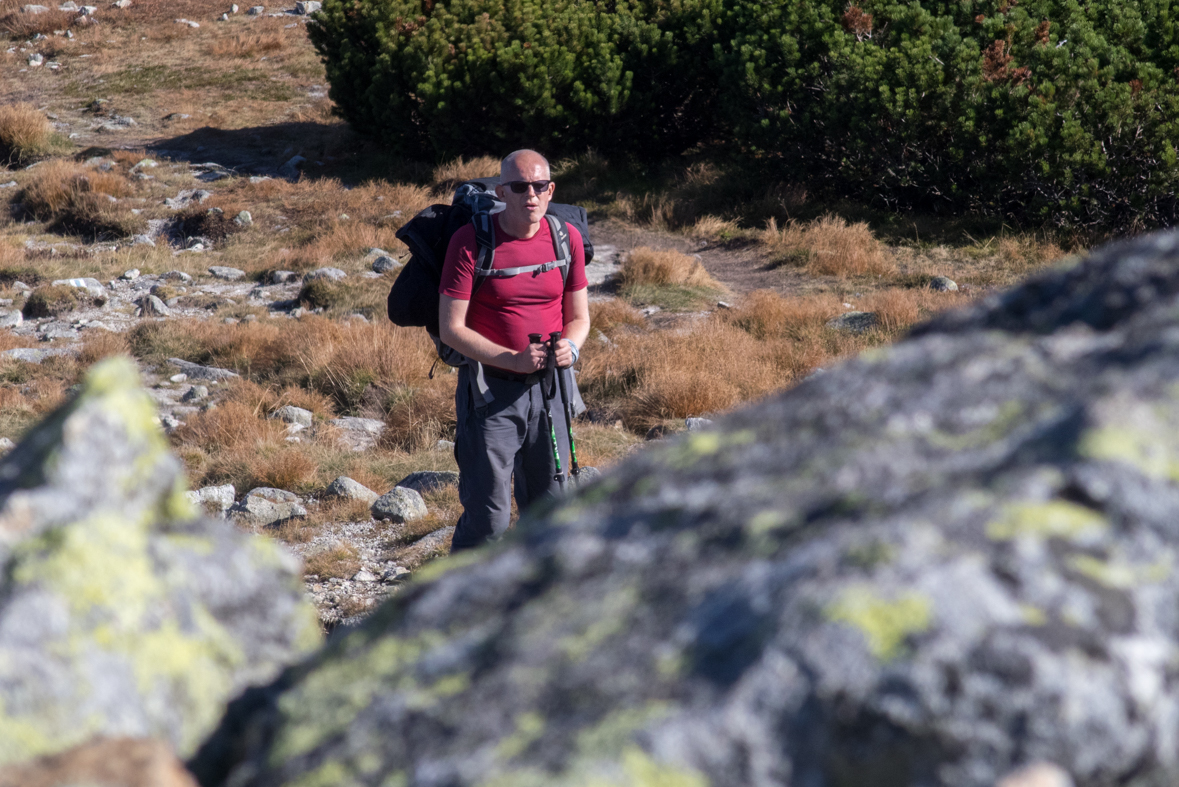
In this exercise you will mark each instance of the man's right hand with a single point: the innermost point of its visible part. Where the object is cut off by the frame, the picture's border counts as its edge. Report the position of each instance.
(530, 360)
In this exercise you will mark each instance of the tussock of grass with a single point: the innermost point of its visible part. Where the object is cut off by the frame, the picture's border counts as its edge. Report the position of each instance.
(249, 45)
(21, 26)
(651, 266)
(81, 201)
(611, 314)
(447, 177)
(98, 344)
(828, 246)
(52, 300)
(341, 561)
(27, 135)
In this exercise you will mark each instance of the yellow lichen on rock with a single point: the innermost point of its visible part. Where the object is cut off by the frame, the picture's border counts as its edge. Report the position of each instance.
(885, 624)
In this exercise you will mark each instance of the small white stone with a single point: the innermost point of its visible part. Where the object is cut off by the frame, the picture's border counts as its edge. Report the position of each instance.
(179, 378)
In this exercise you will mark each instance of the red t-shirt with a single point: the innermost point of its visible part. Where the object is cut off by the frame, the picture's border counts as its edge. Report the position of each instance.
(507, 310)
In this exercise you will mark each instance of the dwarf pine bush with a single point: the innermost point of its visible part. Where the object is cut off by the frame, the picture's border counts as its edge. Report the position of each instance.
(1042, 110)
(440, 78)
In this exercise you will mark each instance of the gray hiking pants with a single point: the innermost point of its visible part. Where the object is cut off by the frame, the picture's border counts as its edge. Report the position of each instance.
(507, 437)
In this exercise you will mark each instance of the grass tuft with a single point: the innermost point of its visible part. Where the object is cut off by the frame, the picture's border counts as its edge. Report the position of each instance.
(27, 135)
(828, 246)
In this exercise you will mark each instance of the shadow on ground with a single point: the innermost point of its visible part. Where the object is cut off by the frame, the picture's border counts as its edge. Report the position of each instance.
(327, 149)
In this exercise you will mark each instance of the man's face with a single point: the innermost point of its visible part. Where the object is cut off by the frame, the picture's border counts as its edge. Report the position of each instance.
(530, 206)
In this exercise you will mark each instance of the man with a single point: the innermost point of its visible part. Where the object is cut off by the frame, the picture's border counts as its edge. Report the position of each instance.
(506, 432)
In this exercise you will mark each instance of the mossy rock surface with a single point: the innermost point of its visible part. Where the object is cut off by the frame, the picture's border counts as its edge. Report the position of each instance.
(123, 613)
(928, 566)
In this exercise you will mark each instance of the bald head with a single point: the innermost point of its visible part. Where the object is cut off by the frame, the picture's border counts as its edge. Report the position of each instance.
(516, 164)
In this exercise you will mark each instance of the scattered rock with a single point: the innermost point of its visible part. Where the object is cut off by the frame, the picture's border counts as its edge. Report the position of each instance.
(227, 274)
(6, 445)
(943, 284)
(213, 498)
(130, 275)
(188, 197)
(359, 434)
(111, 762)
(274, 495)
(425, 481)
(121, 4)
(854, 322)
(696, 424)
(197, 372)
(10, 318)
(363, 575)
(444, 445)
(348, 489)
(307, 6)
(9, 185)
(291, 169)
(143, 240)
(195, 394)
(258, 10)
(92, 286)
(385, 265)
(243, 219)
(178, 378)
(30, 355)
(293, 415)
(151, 306)
(35, 9)
(399, 505)
(395, 574)
(255, 511)
(586, 475)
(331, 274)
(283, 277)
(180, 276)
(123, 612)
(35, 59)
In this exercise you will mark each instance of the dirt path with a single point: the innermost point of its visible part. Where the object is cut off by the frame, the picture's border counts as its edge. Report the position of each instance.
(740, 266)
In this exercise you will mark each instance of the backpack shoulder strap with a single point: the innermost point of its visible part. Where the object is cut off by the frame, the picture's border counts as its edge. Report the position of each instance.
(560, 232)
(484, 248)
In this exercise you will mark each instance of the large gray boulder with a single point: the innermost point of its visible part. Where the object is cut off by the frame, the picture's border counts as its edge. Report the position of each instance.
(932, 565)
(123, 612)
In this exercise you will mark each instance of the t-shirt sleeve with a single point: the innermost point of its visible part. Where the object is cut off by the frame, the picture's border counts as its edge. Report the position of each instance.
(458, 268)
(576, 279)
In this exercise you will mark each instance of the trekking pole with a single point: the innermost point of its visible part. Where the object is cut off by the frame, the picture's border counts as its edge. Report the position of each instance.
(550, 366)
(574, 468)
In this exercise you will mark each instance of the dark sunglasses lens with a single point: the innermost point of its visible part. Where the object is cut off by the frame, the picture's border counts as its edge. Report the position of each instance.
(520, 186)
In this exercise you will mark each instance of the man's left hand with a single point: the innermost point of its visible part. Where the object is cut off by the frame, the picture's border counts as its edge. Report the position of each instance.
(564, 353)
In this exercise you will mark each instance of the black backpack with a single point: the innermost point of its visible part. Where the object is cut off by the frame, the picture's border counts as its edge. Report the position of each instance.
(413, 299)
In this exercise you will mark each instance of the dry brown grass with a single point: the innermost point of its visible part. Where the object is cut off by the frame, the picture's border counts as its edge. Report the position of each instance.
(341, 561)
(19, 25)
(658, 267)
(418, 418)
(249, 45)
(99, 344)
(828, 246)
(653, 377)
(449, 176)
(609, 315)
(81, 201)
(26, 134)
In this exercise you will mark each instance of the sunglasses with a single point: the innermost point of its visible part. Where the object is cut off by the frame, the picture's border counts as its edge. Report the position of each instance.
(521, 186)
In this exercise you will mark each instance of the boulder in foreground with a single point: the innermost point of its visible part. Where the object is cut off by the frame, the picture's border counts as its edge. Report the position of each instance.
(123, 612)
(933, 565)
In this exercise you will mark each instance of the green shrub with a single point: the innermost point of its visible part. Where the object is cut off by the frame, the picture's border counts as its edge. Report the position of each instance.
(1044, 111)
(441, 78)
